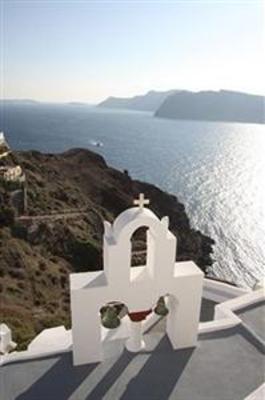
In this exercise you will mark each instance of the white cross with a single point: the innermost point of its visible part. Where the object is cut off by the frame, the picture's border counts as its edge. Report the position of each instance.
(141, 202)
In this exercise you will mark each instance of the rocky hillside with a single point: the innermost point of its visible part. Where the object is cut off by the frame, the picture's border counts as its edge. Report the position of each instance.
(37, 254)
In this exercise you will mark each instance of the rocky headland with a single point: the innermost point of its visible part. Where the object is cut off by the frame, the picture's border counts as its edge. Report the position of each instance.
(224, 105)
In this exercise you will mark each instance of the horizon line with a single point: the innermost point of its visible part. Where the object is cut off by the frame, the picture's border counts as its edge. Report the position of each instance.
(87, 102)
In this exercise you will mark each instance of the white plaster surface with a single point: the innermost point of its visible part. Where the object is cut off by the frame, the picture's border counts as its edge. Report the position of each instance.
(258, 394)
(6, 342)
(135, 342)
(113, 341)
(52, 339)
(219, 291)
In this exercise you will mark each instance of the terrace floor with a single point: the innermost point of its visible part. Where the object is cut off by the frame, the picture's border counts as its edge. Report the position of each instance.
(228, 365)
(254, 317)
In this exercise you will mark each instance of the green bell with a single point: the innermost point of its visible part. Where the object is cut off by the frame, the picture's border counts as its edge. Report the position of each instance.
(161, 308)
(110, 318)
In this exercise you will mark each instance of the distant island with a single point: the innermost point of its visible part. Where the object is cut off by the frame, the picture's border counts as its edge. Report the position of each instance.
(150, 101)
(77, 103)
(19, 101)
(224, 106)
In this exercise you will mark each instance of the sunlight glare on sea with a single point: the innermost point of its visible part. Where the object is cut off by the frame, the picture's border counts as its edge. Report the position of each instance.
(216, 169)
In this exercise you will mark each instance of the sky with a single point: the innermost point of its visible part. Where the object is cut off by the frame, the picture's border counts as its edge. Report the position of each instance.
(58, 50)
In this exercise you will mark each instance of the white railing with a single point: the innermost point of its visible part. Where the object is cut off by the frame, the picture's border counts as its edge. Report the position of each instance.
(219, 291)
(224, 315)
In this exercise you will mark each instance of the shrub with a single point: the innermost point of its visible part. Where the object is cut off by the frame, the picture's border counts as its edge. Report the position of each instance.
(84, 254)
(19, 231)
(10, 185)
(7, 216)
(23, 333)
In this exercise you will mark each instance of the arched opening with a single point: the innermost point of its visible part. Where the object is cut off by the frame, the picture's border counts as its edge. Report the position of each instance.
(139, 247)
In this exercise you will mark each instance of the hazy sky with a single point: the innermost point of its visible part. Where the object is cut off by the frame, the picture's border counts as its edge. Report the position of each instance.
(88, 50)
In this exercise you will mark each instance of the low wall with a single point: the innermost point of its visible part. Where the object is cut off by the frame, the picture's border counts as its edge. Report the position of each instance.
(224, 315)
(48, 343)
(219, 291)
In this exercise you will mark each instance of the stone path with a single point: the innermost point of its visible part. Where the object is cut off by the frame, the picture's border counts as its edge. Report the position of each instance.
(47, 217)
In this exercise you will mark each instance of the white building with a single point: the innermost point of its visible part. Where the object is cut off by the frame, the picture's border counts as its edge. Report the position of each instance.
(12, 174)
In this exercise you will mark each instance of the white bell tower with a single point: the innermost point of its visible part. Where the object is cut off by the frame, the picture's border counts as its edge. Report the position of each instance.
(138, 287)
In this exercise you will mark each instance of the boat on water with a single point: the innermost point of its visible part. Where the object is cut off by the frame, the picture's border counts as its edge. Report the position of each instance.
(96, 143)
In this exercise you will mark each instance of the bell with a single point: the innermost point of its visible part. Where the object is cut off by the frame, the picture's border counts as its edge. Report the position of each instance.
(110, 319)
(161, 308)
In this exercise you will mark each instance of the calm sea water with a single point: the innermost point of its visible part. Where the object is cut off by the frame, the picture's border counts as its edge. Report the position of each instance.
(216, 169)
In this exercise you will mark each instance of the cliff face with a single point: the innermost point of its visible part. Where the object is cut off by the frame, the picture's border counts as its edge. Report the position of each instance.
(214, 106)
(151, 101)
(37, 254)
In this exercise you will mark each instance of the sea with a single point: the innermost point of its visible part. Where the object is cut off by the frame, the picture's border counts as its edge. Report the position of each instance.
(216, 169)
